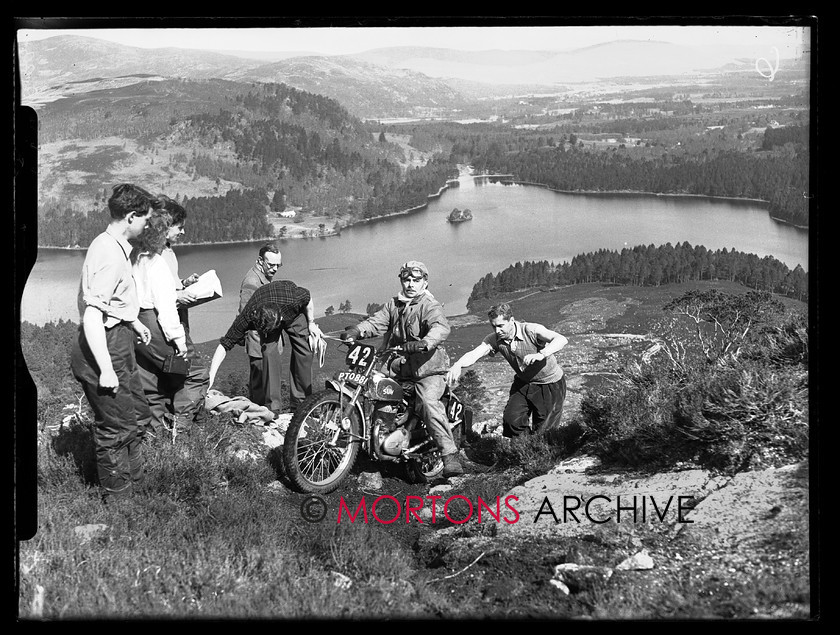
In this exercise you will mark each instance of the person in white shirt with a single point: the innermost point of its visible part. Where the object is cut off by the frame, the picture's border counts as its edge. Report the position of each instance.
(102, 357)
(174, 398)
(176, 230)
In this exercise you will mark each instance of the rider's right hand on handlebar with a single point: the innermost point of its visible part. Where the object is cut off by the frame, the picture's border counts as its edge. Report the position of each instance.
(350, 333)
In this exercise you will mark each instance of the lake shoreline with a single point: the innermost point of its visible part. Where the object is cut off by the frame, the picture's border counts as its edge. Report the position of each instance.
(330, 232)
(660, 194)
(466, 253)
(440, 192)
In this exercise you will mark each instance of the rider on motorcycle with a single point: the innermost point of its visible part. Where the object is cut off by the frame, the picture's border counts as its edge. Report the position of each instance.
(415, 320)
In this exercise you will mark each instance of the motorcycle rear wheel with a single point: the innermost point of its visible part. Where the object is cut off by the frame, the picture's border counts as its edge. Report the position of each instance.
(313, 464)
(424, 469)
(430, 466)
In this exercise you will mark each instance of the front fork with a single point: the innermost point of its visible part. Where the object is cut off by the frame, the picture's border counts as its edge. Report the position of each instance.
(346, 408)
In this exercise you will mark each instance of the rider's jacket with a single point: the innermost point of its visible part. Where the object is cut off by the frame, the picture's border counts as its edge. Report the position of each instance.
(409, 320)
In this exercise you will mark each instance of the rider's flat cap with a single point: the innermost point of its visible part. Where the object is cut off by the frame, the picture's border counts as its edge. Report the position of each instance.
(415, 267)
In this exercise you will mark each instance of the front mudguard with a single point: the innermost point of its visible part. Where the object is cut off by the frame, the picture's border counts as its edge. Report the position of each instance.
(341, 388)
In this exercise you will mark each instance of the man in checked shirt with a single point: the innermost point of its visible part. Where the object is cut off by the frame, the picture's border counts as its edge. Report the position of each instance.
(279, 306)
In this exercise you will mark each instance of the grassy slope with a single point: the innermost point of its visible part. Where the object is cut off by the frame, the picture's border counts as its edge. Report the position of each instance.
(216, 537)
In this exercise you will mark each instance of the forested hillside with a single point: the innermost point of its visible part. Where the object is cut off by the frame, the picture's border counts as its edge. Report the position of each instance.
(649, 265)
(780, 180)
(752, 149)
(198, 140)
(777, 171)
(279, 146)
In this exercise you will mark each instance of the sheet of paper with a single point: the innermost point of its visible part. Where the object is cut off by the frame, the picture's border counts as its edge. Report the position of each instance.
(207, 287)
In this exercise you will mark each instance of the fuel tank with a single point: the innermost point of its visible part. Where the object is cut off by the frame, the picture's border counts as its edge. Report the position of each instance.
(383, 388)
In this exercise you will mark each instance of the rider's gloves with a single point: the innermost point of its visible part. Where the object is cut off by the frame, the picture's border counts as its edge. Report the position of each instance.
(414, 347)
(350, 333)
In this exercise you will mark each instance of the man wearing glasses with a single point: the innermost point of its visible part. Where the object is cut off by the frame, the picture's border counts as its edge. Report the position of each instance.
(264, 358)
(415, 320)
(274, 309)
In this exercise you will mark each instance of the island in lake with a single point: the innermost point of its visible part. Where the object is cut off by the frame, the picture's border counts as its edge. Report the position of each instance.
(458, 216)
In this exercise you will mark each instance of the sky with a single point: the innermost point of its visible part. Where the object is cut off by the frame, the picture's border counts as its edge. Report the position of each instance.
(791, 41)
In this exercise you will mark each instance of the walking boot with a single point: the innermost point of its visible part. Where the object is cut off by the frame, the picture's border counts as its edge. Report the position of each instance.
(452, 466)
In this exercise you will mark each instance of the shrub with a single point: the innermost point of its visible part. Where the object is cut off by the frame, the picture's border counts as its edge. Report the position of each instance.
(739, 404)
(723, 322)
(748, 418)
(534, 454)
(630, 422)
(471, 391)
(70, 451)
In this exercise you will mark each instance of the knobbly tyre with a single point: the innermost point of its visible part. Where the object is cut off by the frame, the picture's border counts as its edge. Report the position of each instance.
(365, 407)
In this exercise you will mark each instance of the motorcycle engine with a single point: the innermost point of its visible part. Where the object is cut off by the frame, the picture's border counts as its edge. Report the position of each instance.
(388, 420)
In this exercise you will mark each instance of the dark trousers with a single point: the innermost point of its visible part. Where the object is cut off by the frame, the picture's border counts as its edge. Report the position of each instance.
(179, 396)
(300, 366)
(542, 403)
(264, 377)
(118, 437)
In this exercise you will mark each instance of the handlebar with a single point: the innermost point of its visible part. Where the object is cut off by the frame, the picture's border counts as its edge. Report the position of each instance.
(350, 342)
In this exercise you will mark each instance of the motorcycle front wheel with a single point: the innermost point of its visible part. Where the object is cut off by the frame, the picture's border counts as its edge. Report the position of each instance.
(317, 453)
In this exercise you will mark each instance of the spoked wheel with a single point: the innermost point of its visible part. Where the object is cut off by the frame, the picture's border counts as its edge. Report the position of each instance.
(425, 468)
(430, 465)
(317, 452)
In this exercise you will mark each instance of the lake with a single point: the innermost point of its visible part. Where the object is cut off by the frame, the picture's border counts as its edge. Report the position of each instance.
(510, 223)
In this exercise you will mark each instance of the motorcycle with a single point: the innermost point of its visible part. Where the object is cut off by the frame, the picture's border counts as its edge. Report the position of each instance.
(364, 407)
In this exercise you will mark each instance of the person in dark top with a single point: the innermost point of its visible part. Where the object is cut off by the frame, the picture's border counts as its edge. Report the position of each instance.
(263, 357)
(279, 306)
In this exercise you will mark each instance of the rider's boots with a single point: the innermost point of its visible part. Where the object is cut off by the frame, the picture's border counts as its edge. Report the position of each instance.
(451, 465)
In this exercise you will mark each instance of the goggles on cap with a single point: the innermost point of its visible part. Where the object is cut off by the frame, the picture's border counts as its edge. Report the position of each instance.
(415, 273)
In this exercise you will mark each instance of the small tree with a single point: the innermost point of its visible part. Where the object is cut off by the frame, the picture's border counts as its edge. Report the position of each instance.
(278, 201)
(372, 308)
(345, 306)
(722, 322)
(329, 310)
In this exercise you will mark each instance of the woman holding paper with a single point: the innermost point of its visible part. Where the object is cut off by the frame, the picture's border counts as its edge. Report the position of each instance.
(174, 390)
(176, 230)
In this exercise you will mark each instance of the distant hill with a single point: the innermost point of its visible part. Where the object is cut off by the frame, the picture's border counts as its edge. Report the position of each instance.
(66, 59)
(365, 89)
(613, 59)
(380, 83)
(66, 65)
(203, 138)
